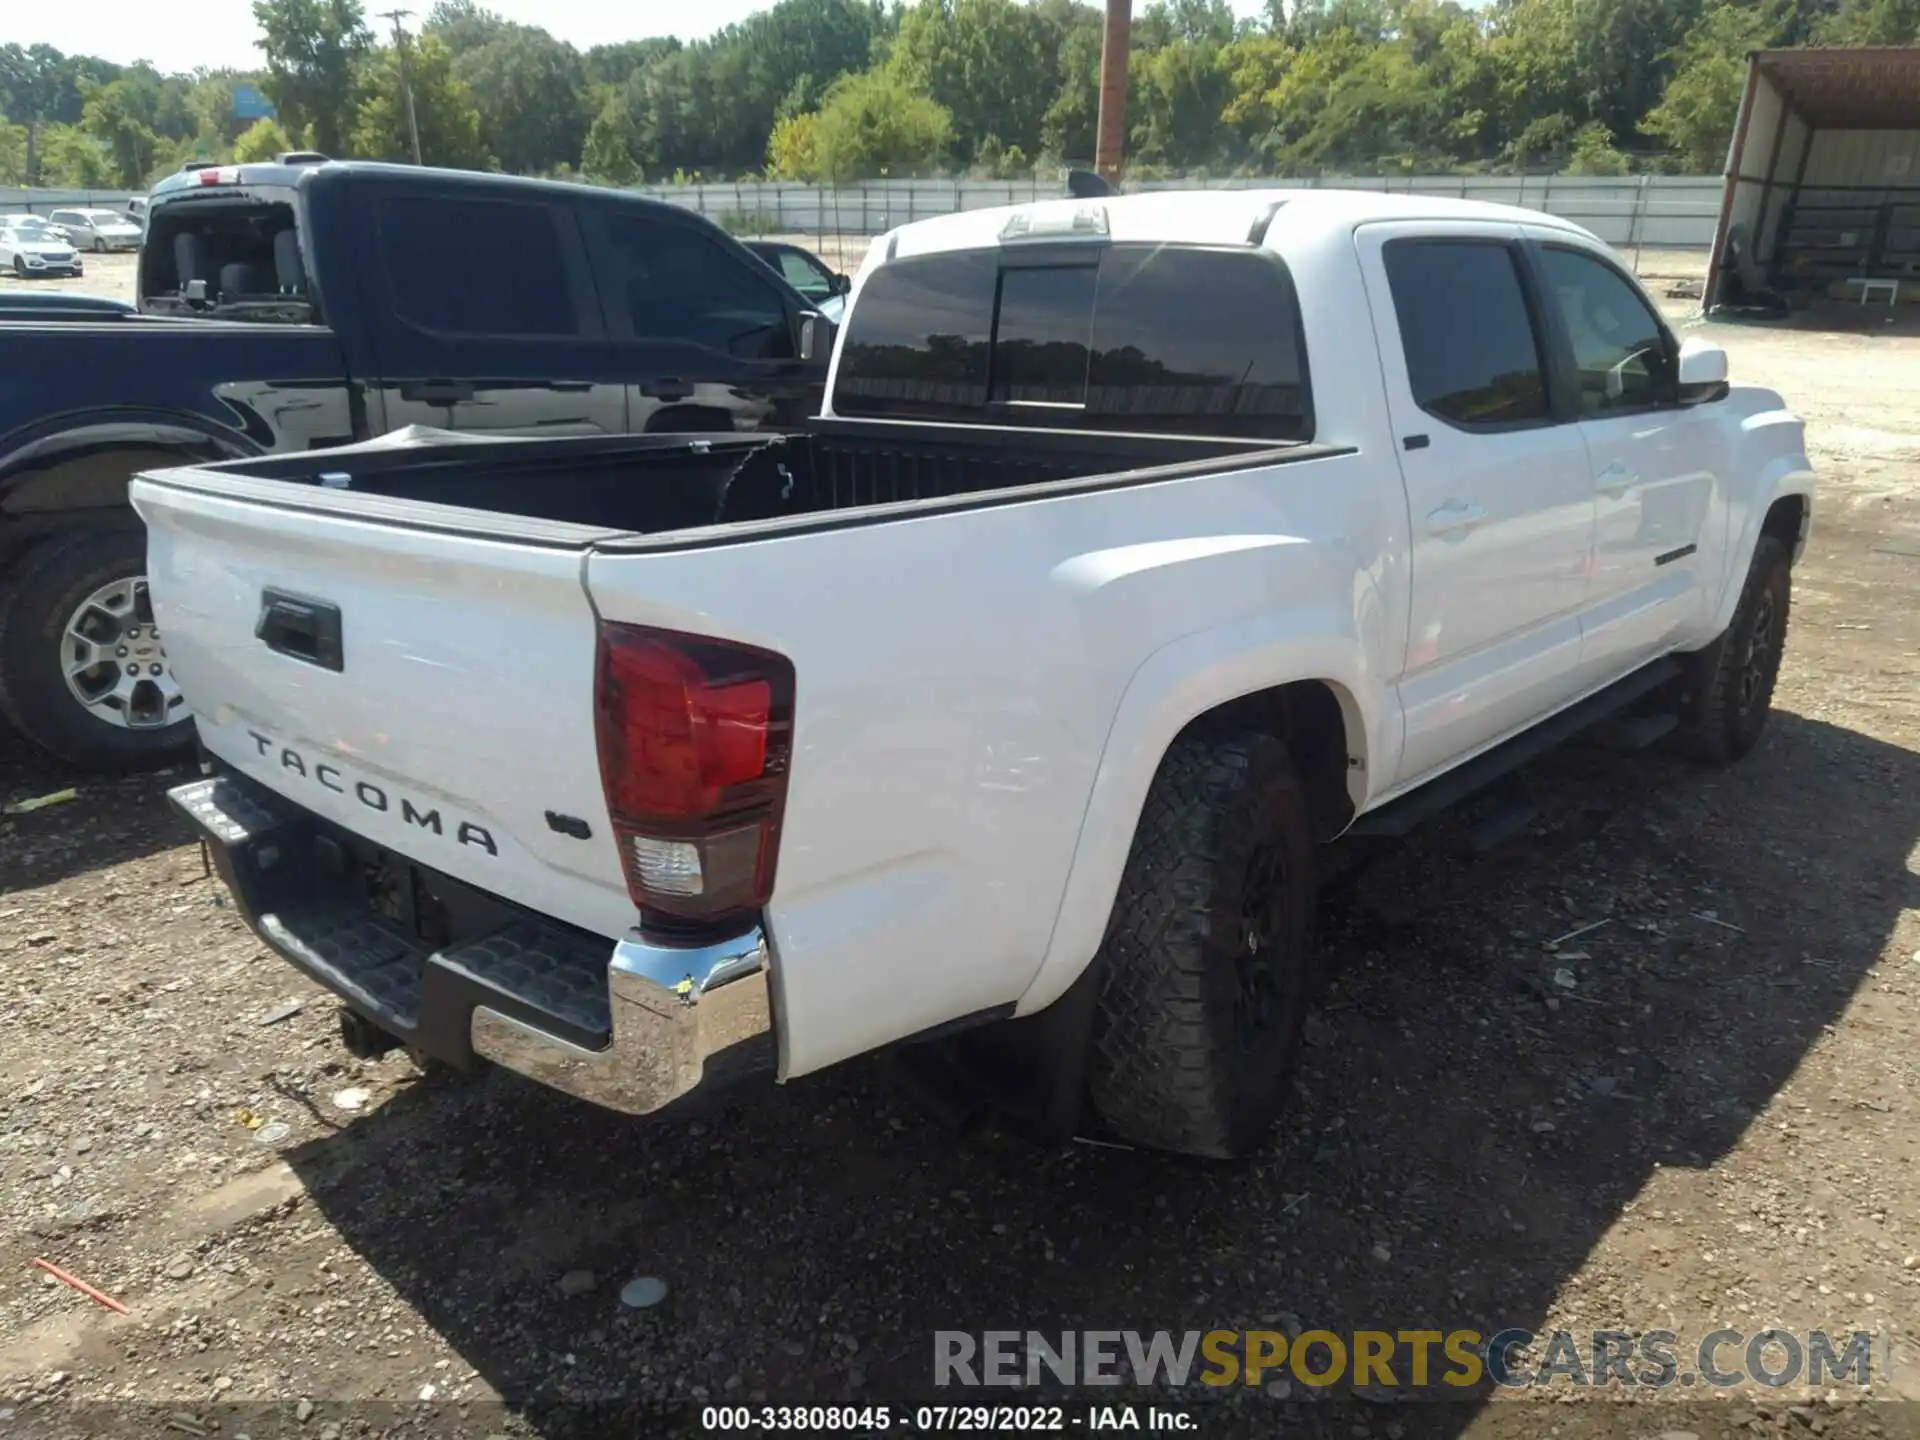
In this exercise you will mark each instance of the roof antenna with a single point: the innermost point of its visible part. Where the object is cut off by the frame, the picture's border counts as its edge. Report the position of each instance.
(1087, 185)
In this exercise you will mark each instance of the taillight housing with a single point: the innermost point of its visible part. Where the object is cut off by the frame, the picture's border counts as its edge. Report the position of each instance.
(696, 738)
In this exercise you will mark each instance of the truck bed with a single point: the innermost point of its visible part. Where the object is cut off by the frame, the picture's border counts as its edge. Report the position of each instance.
(650, 484)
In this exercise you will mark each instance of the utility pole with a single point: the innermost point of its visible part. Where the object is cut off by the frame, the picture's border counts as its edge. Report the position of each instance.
(406, 80)
(1110, 139)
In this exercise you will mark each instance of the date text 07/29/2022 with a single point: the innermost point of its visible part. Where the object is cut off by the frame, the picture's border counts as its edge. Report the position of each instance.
(946, 1419)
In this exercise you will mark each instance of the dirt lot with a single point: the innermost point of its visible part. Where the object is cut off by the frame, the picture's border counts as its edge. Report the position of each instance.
(1715, 1124)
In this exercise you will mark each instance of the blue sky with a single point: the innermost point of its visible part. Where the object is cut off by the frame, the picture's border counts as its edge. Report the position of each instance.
(220, 32)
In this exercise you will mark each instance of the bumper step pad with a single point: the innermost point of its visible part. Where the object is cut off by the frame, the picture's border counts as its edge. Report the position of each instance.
(282, 867)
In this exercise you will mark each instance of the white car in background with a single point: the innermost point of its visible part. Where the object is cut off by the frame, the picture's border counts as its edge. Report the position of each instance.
(30, 246)
(98, 230)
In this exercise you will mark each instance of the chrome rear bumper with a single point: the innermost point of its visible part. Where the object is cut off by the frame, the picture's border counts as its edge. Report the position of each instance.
(635, 1030)
(682, 1019)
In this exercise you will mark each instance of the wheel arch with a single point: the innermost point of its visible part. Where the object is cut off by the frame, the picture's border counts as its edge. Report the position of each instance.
(1782, 506)
(62, 470)
(1308, 684)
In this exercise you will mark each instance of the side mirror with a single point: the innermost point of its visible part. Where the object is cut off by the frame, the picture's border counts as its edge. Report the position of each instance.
(816, 336)
(1703, 371)
(842, 285)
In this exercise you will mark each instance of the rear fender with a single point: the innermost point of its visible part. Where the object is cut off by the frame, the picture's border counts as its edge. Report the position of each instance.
(60, 466)
(1175, 686)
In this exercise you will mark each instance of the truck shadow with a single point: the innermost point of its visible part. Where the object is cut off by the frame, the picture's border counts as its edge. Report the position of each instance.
(112, 818)
(1467, 1127)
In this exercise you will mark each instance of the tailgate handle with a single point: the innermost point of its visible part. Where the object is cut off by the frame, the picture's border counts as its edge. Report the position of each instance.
(436, 392)
(306, 630)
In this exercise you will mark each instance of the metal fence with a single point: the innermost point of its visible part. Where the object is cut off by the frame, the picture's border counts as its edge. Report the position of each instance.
(1662, 212)
(1652, 211)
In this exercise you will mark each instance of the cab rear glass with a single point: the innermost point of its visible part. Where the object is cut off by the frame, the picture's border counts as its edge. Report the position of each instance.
(1149, 338)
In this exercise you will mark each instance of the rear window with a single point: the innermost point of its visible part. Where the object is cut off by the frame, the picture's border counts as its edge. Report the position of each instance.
(233, 256)
(1163, 339)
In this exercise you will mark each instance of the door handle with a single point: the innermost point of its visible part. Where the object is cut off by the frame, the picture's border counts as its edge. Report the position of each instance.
(301, 629)
(570, 387)
(666, 389)
(436, 392)
(1616, 480)
(1454, 519)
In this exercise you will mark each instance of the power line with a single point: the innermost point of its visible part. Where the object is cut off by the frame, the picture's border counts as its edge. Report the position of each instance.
(406, 79)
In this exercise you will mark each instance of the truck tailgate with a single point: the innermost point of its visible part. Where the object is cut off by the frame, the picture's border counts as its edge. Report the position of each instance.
(452, 720)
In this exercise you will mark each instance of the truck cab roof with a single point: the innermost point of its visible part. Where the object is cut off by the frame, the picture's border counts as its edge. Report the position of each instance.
(291, 171)
(1199, 217)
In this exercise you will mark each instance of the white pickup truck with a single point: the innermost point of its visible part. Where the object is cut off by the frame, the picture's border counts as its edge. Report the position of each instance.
(1146, 546)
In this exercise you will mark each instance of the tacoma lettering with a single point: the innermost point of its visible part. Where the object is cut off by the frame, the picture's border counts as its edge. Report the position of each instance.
(328, 777)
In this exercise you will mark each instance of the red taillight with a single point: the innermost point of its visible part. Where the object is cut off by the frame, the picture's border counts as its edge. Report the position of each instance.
(695, 738)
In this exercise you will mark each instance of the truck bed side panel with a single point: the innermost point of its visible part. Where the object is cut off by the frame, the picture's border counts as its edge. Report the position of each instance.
(259, 387)
(957, 678)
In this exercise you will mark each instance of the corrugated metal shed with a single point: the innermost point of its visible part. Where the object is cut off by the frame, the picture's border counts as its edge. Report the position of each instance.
(1823, 176)
(1877, 88)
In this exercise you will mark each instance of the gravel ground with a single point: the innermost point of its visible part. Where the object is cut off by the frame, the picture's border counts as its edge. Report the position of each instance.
(1701, 1113)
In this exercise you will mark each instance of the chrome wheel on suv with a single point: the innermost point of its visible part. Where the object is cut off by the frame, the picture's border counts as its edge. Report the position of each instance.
(83, 669)
(114, 662)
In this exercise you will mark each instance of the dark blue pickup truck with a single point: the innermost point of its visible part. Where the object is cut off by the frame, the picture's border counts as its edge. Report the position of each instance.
(300, 305)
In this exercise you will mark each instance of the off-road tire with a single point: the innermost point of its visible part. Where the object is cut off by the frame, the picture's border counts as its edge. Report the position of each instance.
(1215, 910)
(1730, 692)
(46, 586)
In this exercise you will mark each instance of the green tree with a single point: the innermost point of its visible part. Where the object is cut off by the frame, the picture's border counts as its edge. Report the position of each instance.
(13, 152)
(1873, 22)
(1593, 153)
(40, 87)
(1696, 114)
(613, 140)
(875, 123)
(111, 115)
(463, 26)
(449, 120)
(1067, 129)
(992, 64)
(263, 140)
(71, 157)
(313, 50)
(529, 89)
(615, 64)
(1179, 94)
(790, 149)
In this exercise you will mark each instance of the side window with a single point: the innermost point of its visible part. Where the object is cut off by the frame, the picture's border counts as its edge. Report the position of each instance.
(802, 274)
(679, 285)
(477, 267)
(1198, 342)
(1619, 346)
(1473, 356)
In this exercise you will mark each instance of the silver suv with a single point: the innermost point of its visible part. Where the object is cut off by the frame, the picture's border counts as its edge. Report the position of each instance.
(98, 230)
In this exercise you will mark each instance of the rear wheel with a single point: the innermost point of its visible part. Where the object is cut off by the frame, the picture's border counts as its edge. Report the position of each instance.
(1207, 968)
(83, 669)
